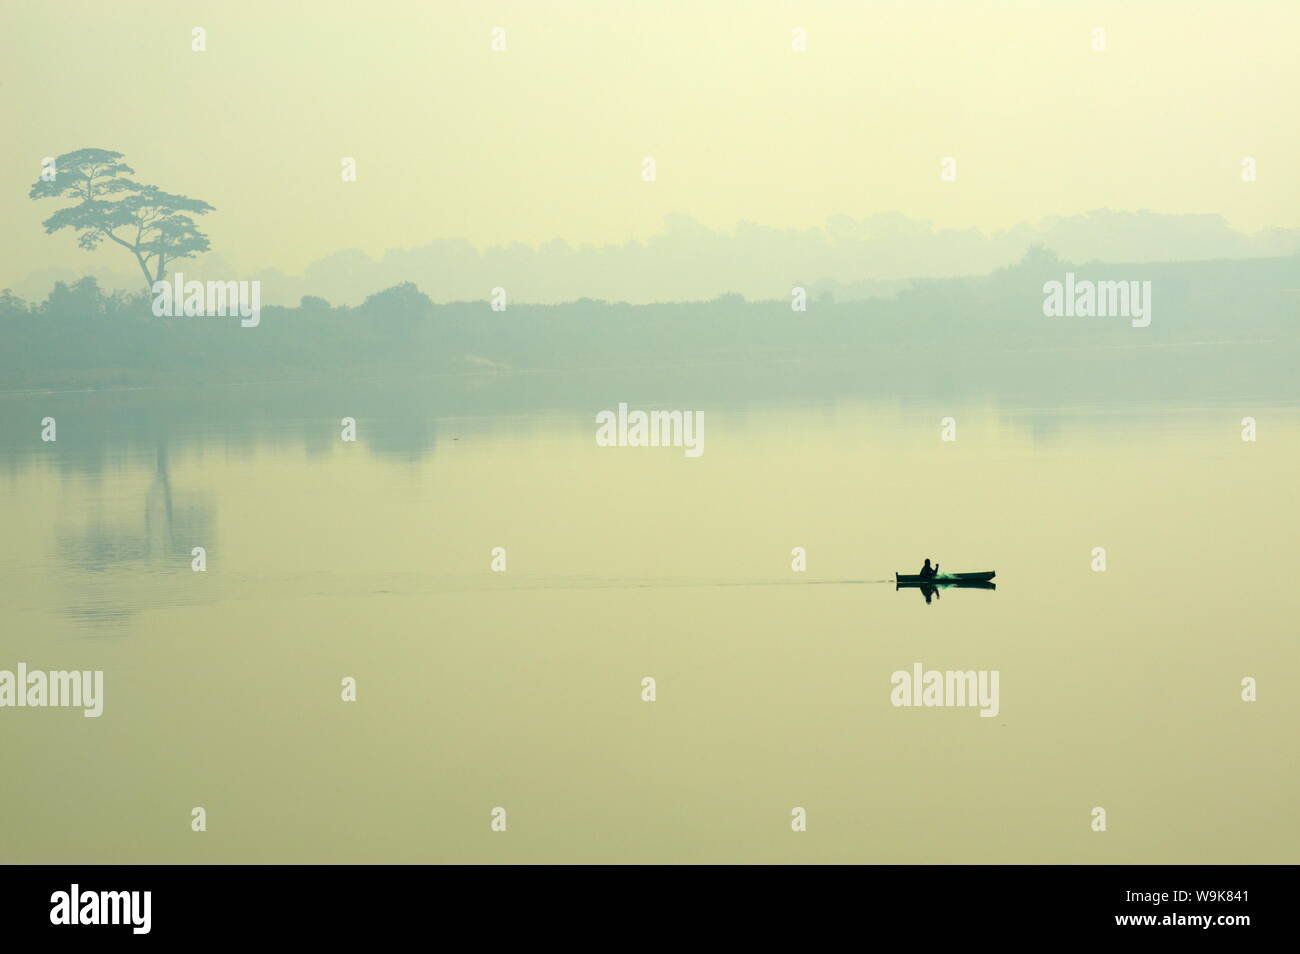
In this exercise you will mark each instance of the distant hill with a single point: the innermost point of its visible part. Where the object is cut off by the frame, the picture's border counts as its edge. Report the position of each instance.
(852, 259)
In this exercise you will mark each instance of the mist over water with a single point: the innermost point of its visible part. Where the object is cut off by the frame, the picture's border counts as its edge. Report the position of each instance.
(372, 560)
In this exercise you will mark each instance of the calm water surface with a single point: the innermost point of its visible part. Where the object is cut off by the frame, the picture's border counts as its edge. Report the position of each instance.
(522, 689)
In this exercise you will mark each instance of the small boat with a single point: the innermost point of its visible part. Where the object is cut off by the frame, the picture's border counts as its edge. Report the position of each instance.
(940, 578)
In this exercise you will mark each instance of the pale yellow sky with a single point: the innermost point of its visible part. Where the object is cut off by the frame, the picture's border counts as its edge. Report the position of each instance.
(545, 140)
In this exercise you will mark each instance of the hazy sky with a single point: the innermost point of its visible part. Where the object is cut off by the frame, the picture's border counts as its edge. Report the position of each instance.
(545, 140)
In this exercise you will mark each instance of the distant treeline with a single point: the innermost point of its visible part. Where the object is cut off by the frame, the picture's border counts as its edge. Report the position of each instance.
(81, 336)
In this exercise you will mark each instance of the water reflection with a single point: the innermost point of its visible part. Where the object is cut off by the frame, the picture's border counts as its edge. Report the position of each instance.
(931, 590)
(107, 559)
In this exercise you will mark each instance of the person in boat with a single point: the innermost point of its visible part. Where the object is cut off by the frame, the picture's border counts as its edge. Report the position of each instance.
(929, 572)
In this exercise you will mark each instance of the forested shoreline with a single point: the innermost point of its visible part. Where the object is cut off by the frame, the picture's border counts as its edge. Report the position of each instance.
(81, 336)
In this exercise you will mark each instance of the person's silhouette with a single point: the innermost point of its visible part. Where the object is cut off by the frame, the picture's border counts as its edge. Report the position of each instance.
(928, 572)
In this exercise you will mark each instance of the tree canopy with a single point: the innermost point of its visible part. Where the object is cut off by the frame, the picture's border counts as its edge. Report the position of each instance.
(155, 226)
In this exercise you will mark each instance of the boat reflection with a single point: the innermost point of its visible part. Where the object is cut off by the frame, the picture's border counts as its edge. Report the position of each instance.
(931, 590)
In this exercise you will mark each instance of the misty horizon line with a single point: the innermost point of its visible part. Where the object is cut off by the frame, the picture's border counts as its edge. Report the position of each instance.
(860, 259)
(1044, 263)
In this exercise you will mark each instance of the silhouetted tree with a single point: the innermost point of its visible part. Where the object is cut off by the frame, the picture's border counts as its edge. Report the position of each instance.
(82, 299)
(1040, 256)
(401, 301)
(154, 226)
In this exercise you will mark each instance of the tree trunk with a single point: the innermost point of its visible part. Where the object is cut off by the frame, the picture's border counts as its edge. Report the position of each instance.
(148, 282)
